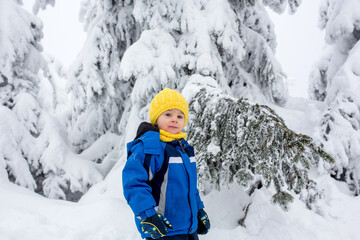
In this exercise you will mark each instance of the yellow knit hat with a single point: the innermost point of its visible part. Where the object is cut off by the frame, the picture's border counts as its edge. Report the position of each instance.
(165, 100)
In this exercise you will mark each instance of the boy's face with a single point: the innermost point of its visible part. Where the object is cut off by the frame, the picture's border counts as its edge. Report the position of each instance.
(171, 121)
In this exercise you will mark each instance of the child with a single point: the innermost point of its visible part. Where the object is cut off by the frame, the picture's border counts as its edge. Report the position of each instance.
(160, 179)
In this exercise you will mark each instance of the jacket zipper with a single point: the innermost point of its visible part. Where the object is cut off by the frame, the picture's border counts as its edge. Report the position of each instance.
(183, 151)
(181, 146)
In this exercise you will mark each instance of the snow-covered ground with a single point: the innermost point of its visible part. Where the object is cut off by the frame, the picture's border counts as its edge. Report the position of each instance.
(25, 215)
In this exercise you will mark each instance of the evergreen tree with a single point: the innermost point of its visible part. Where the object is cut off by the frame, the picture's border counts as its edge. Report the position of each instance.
(334, 80)
(258, 66)
(98, 94)
(159, 44)
(34, 150)
(20, 61)
(169, 42)
(233, 42)
(236, 141)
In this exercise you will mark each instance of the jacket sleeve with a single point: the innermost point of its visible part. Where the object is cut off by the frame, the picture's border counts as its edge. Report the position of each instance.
(137, 190)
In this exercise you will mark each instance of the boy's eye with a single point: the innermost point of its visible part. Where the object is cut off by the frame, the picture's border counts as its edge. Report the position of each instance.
(180, 116)
(168, 114)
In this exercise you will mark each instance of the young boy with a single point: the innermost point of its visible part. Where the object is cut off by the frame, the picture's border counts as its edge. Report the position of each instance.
(160, 178)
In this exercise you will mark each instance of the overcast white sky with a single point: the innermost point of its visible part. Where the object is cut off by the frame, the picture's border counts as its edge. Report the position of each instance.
(300, 44)
(63, 31)
(299, 39)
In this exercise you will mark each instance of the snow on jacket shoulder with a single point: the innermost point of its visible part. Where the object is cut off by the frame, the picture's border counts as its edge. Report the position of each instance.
(162, 176)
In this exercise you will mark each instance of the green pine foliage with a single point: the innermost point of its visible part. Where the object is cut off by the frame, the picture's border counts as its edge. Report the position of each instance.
(236, 141)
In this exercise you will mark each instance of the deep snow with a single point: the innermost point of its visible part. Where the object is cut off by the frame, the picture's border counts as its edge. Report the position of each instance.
(25, 215)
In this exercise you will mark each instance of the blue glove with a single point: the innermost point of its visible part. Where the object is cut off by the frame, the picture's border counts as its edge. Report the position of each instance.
(203, 222)
(157, 226)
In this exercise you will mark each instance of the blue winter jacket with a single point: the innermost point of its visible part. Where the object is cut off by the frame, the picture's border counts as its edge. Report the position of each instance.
(161, 177)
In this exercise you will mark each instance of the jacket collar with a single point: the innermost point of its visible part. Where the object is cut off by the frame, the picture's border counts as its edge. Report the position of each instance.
(183, 142)
(152, 144)
(151, 141)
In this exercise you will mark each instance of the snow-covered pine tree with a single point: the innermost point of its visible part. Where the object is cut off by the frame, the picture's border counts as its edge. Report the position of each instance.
(98, 94)
(259, 66)
(231, 42)
(34, 152)
(335, 80)
(249, 144)
(20, 61)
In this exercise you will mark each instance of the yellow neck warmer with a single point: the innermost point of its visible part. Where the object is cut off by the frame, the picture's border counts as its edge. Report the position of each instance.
(168, 137)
